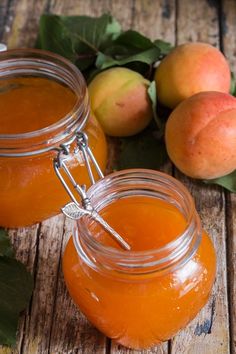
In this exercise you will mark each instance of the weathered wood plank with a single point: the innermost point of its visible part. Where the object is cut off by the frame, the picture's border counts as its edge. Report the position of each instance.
(22, 23)
(123, 11)
(228, 30)
(4, 15)
(38, 324)
(231, 252)
(70, 7)
(208, 333)
(197, 21)
(118, 349)
(155, 20)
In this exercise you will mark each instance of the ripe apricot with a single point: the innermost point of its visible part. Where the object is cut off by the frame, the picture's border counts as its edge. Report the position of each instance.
(191, 68)
(201, 135)
(120, 101)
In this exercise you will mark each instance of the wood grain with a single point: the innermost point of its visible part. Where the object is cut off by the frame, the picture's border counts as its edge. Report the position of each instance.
(4, 11)
(37, 329)
(155, 22)
(22, 22)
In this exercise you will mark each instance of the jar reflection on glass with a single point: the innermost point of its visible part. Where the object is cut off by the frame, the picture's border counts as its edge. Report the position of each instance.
(143, 297)
(32, 129)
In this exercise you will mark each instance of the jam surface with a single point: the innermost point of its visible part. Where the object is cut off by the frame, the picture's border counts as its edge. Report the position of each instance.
(144, 223)
(32, 103)
(141, 311)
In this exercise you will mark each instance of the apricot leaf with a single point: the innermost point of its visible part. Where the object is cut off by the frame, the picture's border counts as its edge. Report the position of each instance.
(130, 47)
(5, 245)
(228, 181)
(152, 93)
(78, 38)
(233, 85)
(16, 285)
(144, 150)
(148, 57)
(165, 47)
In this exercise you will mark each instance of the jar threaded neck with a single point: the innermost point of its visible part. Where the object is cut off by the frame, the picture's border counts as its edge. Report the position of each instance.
(145, 183)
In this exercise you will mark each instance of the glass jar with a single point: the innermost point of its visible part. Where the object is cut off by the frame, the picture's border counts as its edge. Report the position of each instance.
(140, 298)
(29, 188)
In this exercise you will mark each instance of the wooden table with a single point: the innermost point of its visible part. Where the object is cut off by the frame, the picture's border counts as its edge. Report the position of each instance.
(52, 323)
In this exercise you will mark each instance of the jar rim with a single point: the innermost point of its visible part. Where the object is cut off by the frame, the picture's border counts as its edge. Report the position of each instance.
(186, 242)
(13, 59)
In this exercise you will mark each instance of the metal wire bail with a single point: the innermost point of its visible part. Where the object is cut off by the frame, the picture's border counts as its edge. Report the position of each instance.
(74, 210)
(60, 163)
(82, 141)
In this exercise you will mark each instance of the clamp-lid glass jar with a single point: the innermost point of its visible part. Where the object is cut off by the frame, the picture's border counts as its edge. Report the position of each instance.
(43, 103)
(144, 296)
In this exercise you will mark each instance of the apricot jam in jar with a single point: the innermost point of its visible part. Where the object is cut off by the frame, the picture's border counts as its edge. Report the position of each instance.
(144, 296)
(43, 104)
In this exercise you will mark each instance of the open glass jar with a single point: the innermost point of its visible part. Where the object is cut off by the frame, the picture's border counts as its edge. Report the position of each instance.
(144, 296)
(29, 188)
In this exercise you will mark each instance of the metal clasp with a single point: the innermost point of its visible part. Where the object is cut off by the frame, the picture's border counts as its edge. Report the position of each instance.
(60, 163)
(82, 141)
(74, 210)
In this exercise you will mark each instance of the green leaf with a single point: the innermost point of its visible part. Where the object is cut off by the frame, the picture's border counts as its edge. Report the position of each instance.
(5, 245)
(233, 85)
(228, 181)
(129, 47)
(164, 47)
(147, 57)
(16, 286)
(144, 150)
(152, 93)
(78, 38)
(129, 43)
(8, 327)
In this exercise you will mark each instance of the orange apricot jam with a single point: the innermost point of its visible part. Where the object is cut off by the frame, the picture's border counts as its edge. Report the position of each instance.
(143, 297)
(40, 103)
(43, 103)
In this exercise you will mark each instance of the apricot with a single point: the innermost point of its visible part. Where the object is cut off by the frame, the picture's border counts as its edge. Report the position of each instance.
(120, 101)
(200, 135)
(191, 68)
